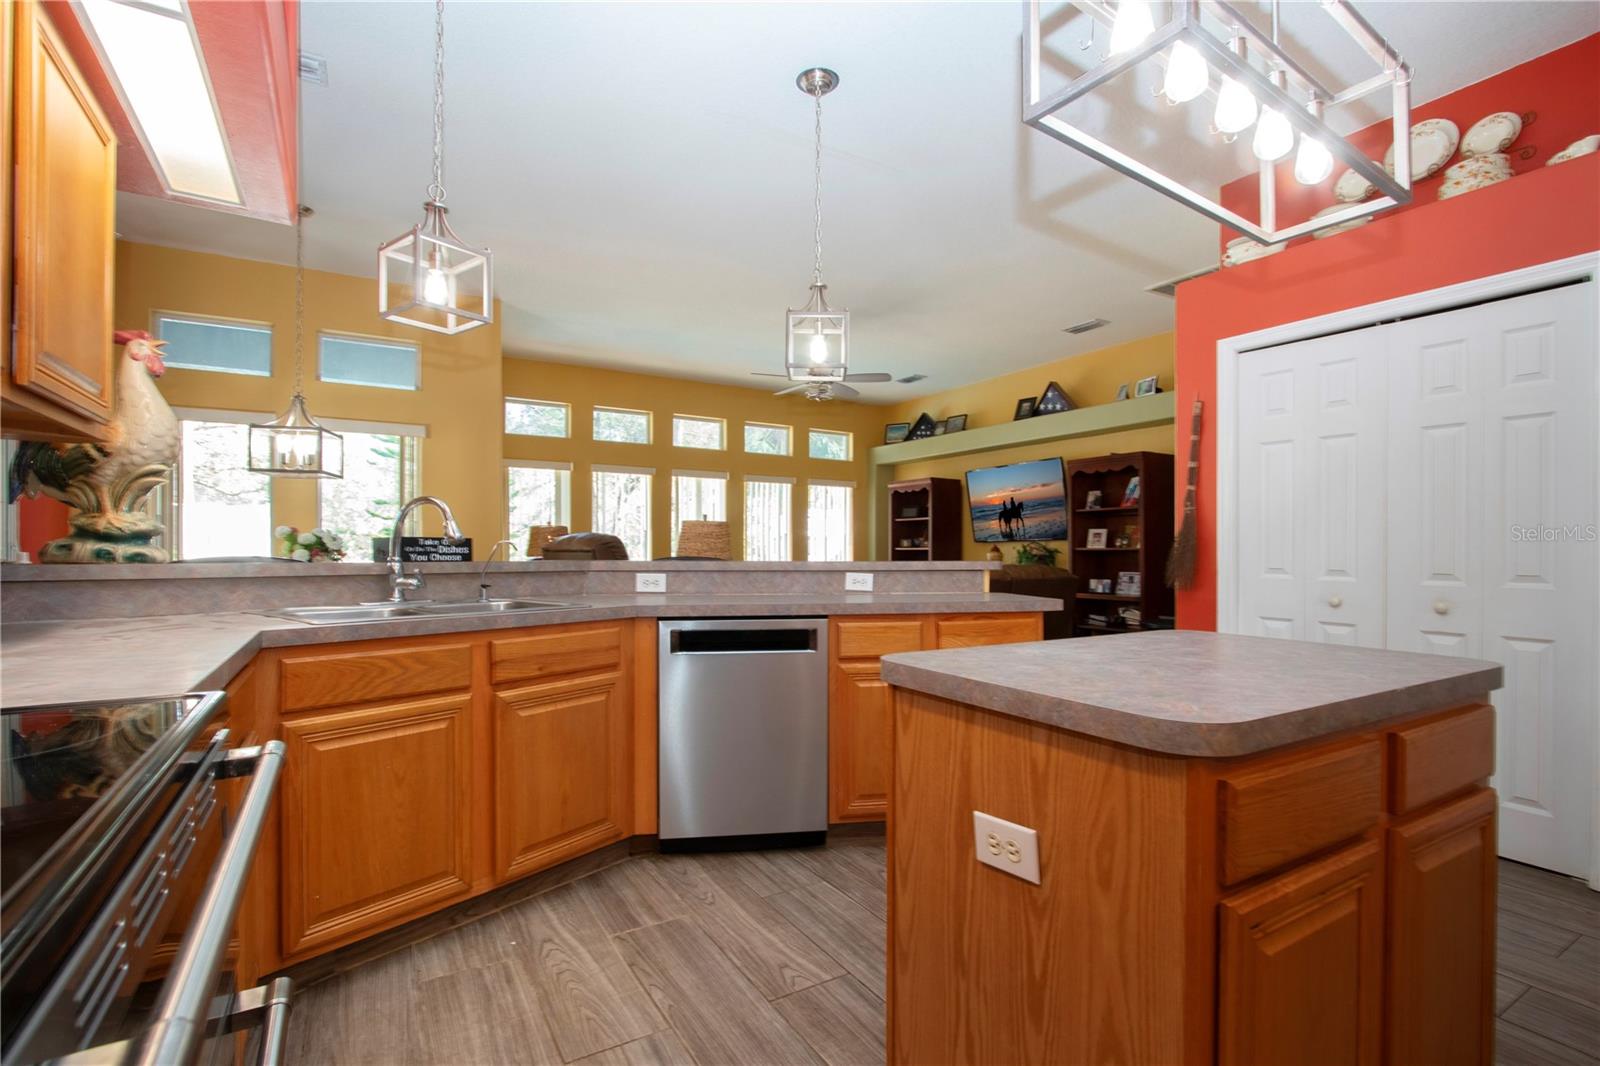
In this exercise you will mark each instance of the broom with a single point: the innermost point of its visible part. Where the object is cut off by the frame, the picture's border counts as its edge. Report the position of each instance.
(1181, 562)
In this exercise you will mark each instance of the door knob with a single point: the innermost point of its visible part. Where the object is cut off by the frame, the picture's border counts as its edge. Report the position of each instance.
(1335, 601)
(1441, 607)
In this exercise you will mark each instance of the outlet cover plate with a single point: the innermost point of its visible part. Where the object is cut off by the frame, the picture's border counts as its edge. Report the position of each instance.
(854, 582)
(650, 582)
(1007, 846)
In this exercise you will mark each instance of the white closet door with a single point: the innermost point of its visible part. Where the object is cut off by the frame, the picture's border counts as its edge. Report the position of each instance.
(1492, 550)
(1311, 501)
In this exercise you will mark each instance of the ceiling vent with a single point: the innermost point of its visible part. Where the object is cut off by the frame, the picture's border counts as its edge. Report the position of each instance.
(1086, 326)
(1170, 286)
(313, 68)
(911, 378)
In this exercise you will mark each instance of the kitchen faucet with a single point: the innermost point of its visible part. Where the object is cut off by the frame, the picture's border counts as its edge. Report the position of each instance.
(483, 575)
(399, 581)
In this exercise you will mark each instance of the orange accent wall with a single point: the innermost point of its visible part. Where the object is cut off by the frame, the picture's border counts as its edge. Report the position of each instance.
(1543, 214)
(40, 520)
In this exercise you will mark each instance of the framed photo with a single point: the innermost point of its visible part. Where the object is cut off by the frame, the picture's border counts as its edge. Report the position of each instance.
(955, 423)
(1128, 582)
(1122, 391)
(941, 427)
(1097, 539)
(1101, 585)
(1146, 386)
(1094, 501)
(895, 432)
(1130, 498)
(1122, 541)
(1024, 409)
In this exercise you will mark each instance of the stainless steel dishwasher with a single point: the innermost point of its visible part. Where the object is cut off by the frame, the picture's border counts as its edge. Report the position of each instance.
(744, 730)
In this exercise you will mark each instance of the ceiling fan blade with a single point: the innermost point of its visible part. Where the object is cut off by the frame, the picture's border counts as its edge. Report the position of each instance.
(869, 377)
(839, 389)
(802, 387)
(766, 374)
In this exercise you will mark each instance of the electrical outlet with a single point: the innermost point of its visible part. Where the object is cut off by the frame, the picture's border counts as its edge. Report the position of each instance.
(857, 582)
(649, 582)
(1007, 846)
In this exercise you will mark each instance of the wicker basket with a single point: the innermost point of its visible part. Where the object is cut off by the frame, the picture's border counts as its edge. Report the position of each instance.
(539, 536)
(705, 540)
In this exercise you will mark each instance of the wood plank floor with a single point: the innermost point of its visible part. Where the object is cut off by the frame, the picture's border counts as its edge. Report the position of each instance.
(777, 958)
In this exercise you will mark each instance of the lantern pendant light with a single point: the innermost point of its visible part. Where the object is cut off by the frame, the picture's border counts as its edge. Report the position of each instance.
(293, 444)
(428, 276)
(818, 336)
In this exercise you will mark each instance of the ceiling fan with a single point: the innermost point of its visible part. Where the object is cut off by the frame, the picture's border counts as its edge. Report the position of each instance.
(826, 385)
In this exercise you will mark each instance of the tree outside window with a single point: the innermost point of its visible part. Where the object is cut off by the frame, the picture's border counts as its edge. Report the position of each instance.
(380, 474)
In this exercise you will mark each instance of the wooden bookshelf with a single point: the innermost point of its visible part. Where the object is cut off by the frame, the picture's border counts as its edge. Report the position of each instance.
(925, 519)
(1146, 523)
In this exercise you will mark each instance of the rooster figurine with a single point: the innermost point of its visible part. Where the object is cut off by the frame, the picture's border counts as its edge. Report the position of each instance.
(107, 483)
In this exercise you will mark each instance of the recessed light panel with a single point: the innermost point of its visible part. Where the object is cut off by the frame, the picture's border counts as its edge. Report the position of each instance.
(150, 51)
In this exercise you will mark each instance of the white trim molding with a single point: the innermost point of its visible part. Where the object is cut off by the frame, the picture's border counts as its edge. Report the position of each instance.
(538, 464)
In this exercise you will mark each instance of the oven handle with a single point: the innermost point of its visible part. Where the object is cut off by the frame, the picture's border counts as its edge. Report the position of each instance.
(180, 1021)
(267, 1006)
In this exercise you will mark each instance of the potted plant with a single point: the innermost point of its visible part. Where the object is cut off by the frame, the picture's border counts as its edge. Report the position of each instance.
(316, 546)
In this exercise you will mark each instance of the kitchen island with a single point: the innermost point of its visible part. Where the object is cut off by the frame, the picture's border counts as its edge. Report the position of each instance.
(1248, 851)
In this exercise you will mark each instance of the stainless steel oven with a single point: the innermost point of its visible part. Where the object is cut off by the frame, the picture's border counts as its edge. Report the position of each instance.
(123, 873)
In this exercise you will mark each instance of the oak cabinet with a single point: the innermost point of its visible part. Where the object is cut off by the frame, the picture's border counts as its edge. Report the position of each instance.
(377, 816)
(1442, 869)
(561, 771)
(1302, 965)
(59, 379)
(971, 631)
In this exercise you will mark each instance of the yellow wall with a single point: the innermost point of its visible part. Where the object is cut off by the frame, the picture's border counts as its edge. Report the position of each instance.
(458, 401)
(583, 388)
(1089, 379)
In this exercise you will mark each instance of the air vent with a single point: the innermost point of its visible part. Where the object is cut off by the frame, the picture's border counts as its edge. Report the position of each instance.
(911, 378)
(313, 68)
(1170, 286)
(1086, 326)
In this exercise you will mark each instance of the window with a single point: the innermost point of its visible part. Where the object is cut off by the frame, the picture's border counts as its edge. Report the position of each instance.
(537, 494)
(380, 474)
(216, 344)
(219, 507)
(624, 427)
(691, 432)
(828, 521)
(763, 439)
(826, 444)
(766, 519)
(364, 361)
(537, 418)
(622, 506)
(697, 495)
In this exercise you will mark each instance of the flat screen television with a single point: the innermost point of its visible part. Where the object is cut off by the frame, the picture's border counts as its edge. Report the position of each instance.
(1021, 501)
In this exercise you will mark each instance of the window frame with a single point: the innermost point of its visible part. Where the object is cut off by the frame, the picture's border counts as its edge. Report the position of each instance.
(850, 522)
(563, 491)
(674, 524)
(849, 444)
(788, 436)
(156, 317)
(649, 424)
(720, 423)
(170, 504)
(648, 472)
(411, 438)
(363, 338)
(566, 417)
(788, 526)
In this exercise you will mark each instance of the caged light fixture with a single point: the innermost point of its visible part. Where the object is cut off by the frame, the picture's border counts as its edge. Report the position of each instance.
(428, 276)
(1258, 83)
(818, 335)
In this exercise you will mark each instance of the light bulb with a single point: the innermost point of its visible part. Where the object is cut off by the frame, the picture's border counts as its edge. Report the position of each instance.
(1132, 25)
(1187, 74)
(436, 287)
(1313, 162)
(818, 350)
(1274, 136)
(1236, 107)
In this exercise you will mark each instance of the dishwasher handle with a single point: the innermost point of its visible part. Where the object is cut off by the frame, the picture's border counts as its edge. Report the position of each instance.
(737, 640)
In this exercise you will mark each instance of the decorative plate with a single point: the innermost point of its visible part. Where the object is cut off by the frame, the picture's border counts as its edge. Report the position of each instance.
(1492, 133)
(1329, 231)
(1584, 146)
(1433, 142)
(1244, 249)
(1352, 188)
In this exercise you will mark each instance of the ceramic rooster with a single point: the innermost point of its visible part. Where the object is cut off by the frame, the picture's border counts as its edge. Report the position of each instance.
(108, 483)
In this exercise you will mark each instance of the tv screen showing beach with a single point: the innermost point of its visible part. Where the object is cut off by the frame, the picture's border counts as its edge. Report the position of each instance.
(1023, 501)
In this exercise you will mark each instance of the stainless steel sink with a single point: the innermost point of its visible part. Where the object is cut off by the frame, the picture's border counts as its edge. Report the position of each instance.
(325, 616)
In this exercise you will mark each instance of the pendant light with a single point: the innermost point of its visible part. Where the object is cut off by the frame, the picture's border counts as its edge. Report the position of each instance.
(293, 444)
(1313, 162)
(429, 277)
(1187, 74)
(818, 335)
(1132, 24)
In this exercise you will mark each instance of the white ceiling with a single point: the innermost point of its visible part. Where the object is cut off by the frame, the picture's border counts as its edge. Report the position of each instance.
(643, 175)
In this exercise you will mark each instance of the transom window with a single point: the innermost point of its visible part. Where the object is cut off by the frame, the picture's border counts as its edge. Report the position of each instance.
(215, 344)
(378, 364)
(621, 426)
(827, 444)
(689, 431)
(538, 418)
(762, 438)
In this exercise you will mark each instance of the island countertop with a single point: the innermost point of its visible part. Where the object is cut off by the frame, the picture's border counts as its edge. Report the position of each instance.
(1193, 693)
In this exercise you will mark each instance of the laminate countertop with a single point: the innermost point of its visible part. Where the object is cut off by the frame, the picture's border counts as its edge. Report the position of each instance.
(129, 658)
(1194, 693)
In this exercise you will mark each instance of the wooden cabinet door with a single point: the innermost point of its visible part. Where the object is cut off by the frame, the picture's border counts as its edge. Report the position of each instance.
(562, 763)
(377, 820)
(66, 183)
(859, 713)
(1301, 969)
(1442, 872)
(971, 631)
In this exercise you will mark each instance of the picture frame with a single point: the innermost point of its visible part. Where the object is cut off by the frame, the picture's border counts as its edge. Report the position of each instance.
(1024, 409)
(1122, 391)
(1122, 541)
(955, 423)
(1130, 498)
(940, 427)
(1101, 585)
(1094, 501)
(895, 432)
(1146, 386)
(1097, 539)
(1129, 582)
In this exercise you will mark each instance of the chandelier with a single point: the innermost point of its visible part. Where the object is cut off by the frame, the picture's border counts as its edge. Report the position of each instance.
(818, 336)
(428, 276)
(1154, 91)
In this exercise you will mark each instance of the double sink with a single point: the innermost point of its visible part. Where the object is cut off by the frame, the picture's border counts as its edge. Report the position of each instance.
(378, 612)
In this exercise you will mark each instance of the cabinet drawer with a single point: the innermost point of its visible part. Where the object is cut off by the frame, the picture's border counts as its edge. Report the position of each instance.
(1433, 759)
(868, 639)
(986, 629)
(562, 650)
(1278, 813)
(358, 677)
